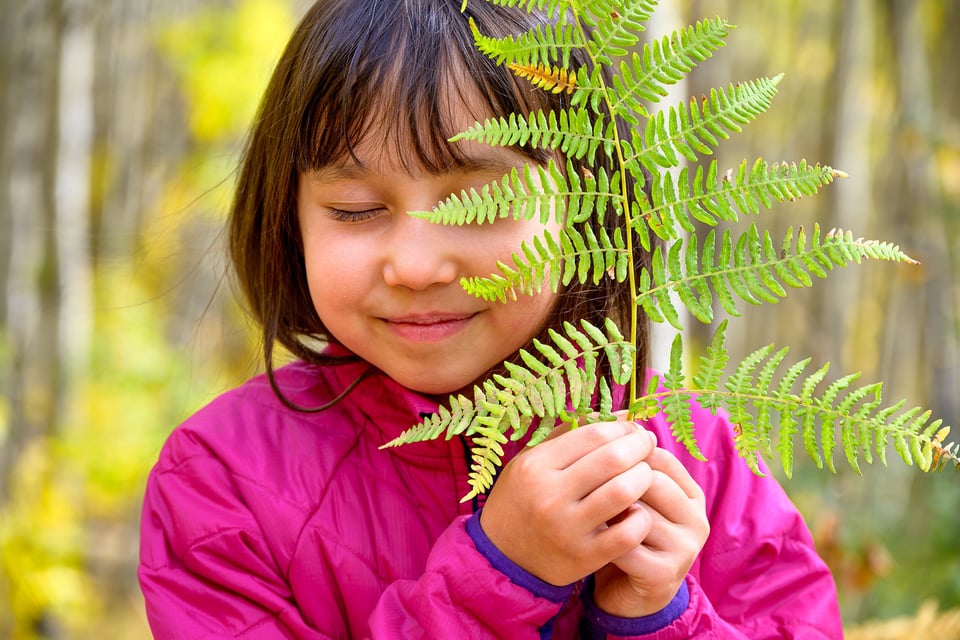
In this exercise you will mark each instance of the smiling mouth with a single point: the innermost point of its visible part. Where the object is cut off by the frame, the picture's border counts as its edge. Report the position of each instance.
(432, 327)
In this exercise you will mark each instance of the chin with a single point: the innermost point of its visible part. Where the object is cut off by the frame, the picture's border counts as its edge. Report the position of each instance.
(440, 385)
(433, 389)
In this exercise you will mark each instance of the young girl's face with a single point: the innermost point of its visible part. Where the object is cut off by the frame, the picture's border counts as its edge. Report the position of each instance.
(386, 285)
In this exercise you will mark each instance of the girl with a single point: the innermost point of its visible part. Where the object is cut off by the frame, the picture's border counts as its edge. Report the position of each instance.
(273, 513)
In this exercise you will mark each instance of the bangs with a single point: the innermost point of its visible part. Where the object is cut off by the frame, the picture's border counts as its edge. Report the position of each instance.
(404, 78)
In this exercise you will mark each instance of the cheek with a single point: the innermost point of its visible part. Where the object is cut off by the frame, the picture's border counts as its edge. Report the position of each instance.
(500, 241)
(525, 316)
(334, 271)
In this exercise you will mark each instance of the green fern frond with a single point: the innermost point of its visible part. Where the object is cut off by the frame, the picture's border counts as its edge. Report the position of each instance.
(572, 255)
(550, 7)
(574, 132)
(678, 201)
(642, 80)
(696, 127)
(536, 192)
(712, 364)
(841, 416)
(543, 45)
(616, 26)
(752, 269)
(774, 407)
(676, 405)
(448, 421)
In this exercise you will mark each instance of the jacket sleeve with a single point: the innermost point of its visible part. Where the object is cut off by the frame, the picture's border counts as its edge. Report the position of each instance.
(207, 571)
(758, 576)
(469, 590)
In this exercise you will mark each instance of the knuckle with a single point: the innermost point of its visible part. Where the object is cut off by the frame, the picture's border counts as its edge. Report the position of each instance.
(622, 491)
(659, 480)
(611, 430)
(596, 434)
(619, 539)
(526, 465)
(699, 495)
(617, 458)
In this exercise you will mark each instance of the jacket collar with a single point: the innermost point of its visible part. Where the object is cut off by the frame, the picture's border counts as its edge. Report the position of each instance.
(388, 407)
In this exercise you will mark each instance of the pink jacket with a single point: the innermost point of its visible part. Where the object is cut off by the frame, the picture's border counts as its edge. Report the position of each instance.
(262, 522)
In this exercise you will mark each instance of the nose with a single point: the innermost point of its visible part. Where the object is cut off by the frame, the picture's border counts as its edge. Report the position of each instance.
(420, 254)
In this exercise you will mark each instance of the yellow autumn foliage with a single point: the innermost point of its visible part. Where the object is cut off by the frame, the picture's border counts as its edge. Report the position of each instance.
(74, 496)
(224, 58)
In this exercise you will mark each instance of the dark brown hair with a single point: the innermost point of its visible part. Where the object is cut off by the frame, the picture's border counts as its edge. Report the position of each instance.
(353, 65)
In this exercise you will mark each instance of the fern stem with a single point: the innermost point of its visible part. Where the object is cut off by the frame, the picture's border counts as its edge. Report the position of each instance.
(624, 191)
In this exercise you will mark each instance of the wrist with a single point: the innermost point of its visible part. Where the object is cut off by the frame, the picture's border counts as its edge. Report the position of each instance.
(517, 574)
(598, 623)
(617, 595)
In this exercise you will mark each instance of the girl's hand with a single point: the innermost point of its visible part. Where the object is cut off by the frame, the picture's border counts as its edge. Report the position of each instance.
(563, 509)
(645, 579)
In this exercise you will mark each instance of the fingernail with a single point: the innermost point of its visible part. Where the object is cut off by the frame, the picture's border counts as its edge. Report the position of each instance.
(653, 437)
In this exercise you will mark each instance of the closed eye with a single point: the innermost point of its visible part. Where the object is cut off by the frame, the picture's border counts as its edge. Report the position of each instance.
(342, 215)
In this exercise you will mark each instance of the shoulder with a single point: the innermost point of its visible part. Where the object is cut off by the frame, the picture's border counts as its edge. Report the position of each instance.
(246, 463)
(249, 444)
(244, 420)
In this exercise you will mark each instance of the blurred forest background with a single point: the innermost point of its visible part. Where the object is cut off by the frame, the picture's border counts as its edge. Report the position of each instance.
(120, 126)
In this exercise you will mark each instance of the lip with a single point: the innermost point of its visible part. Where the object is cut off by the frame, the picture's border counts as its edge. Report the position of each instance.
(428, 327)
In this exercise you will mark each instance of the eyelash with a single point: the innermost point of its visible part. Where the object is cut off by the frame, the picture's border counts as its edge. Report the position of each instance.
(353, 216)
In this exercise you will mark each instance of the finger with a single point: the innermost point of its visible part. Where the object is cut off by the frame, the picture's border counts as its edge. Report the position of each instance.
(565, 427)
(627, 531)
(667, 463)
(610, 459)
(666, 497)
(664, 534)
(568, 448)
(610, 502)
(666, 541)
(653, 569)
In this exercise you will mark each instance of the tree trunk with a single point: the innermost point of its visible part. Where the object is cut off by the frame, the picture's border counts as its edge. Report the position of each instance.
(665, 20)
(32, 292)
(847, 139)
(74, 150)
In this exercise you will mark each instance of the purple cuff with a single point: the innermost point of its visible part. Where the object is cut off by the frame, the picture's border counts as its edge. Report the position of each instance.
(597, 625)
(509, 568)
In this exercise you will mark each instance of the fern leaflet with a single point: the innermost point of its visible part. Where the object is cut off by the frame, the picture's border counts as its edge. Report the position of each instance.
(616, 26)
(642, 79)
(678, 201)
(693, 128)
(543, 46)
(536, 192)
(840, 416)
(751, 268)
(574, 255)
(573, 132)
